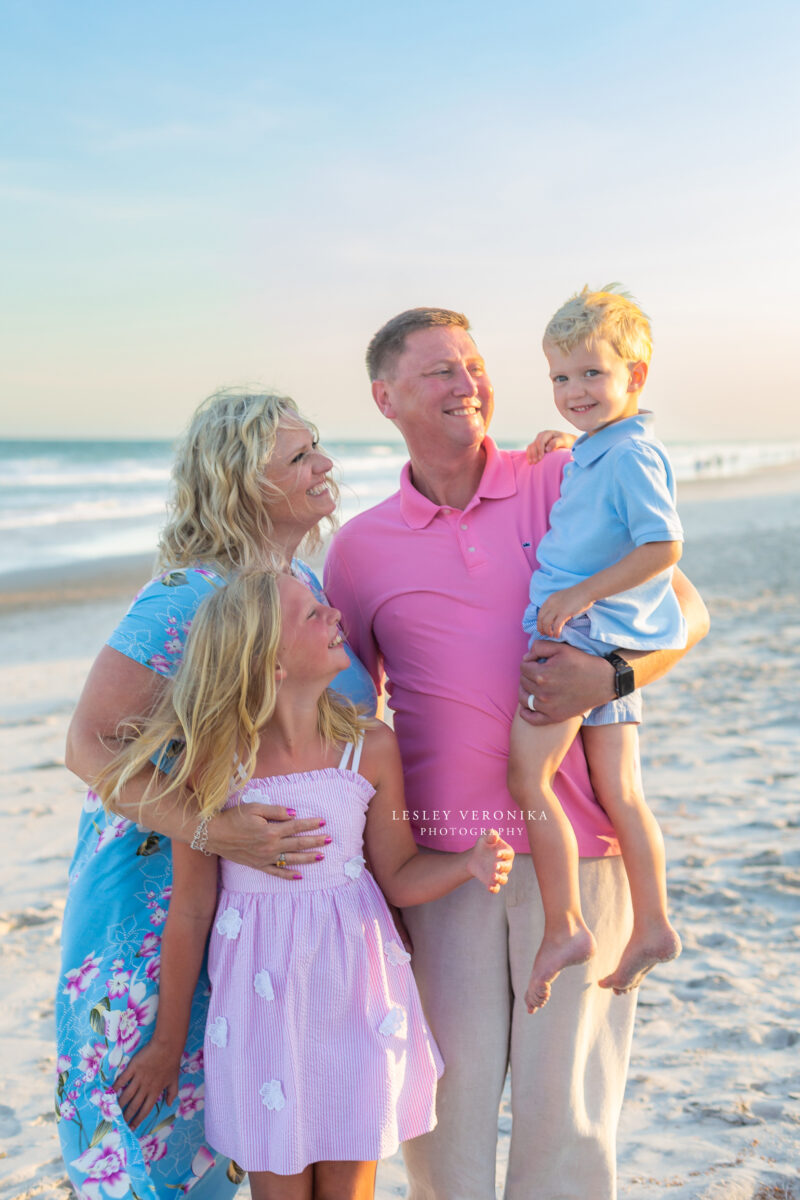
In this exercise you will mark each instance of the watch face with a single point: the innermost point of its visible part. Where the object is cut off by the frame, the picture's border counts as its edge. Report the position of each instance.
(624, 682)
(624, 678)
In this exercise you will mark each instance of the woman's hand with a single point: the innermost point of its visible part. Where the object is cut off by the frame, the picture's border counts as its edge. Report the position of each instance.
(267, 837)
(490, 860)
(151, 1072)
(547, 441)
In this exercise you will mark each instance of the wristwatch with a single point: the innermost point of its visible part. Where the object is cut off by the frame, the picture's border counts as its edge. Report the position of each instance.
(624, 682)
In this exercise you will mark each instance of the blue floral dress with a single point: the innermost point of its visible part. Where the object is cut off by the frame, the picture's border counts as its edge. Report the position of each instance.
(107, 998)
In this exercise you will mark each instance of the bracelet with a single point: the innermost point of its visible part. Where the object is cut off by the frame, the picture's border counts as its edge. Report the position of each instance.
(200, 839)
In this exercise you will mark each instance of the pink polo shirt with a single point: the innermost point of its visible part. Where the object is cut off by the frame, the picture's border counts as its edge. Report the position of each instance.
(433, 597)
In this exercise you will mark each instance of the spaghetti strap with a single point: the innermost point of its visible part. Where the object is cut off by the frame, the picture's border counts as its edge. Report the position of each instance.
(345, 759)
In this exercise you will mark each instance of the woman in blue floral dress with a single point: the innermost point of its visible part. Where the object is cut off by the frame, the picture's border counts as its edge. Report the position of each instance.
(249, 485)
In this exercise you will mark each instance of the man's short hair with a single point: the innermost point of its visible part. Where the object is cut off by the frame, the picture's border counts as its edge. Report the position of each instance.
(390, 340)
(610, 314)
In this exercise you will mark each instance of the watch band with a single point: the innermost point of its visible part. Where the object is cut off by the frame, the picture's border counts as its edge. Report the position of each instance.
(624, 682)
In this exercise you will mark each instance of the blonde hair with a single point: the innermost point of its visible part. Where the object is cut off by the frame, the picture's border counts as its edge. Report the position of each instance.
(610, 314)
(219, 507)
(224, 692)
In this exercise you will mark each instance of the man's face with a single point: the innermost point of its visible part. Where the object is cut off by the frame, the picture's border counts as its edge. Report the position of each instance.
(437, 391)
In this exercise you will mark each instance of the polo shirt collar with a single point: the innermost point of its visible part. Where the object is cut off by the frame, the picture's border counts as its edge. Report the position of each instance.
(497, 481)
(588, 449)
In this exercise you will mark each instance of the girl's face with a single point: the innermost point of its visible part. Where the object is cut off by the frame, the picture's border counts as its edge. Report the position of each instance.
(312, 645)
(298, 495)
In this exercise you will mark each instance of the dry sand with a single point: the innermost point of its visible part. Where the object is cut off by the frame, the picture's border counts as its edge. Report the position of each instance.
(713, 1101)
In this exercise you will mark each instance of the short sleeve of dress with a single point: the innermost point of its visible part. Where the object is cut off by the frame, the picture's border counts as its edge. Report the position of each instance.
(154, 629)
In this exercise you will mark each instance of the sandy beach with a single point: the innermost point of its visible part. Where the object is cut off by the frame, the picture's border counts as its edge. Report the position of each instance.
(712, 1110)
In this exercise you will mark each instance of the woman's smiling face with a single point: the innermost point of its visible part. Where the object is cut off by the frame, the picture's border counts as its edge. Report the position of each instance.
(297, 494)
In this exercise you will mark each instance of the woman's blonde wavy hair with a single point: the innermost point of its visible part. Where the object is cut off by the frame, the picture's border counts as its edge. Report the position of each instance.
(219, 507)
(208, 720)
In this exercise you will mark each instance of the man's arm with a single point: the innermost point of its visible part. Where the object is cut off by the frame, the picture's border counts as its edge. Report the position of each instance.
(570, 682)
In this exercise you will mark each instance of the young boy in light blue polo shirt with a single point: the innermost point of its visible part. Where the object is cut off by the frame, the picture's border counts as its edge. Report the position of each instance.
(604, 583)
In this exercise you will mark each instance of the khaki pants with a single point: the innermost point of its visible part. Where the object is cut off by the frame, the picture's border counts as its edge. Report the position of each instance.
(473, 954)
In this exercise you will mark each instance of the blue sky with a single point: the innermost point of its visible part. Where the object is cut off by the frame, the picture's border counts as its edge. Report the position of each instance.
(194, 195)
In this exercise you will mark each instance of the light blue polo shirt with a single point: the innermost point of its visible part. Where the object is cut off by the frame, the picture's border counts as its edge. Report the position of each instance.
(617, 493)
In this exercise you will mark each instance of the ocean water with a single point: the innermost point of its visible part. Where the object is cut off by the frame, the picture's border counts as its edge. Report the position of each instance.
(64, 502)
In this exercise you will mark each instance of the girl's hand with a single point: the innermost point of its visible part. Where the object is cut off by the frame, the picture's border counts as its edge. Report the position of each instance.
(265, 837)
(490, 860)
(547, 441)
(558, 608)
(151, 1072)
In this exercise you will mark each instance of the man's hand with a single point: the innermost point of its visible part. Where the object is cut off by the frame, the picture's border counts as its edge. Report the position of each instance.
(567, 684)
(558, 608)
(547, 441)
(153, 1070)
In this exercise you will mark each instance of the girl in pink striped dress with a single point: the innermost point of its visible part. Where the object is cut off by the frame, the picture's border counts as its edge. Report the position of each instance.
(318, 1058)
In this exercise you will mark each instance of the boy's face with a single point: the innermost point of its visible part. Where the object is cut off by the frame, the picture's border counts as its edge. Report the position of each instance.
(593, 386)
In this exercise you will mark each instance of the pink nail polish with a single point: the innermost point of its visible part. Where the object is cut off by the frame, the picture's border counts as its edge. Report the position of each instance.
(319, 857)
(291, 812)
(297, 877)
(327, 841)
(322, 822)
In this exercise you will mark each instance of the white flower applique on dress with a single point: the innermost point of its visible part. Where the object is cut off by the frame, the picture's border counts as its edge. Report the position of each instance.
(272, 1095)
(217, 1031)
(262, 984)
(395, 954)
(229, 923)
(354, 866)
(393, 1022)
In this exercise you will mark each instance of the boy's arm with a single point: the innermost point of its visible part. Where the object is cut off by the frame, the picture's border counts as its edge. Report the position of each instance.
(548, 440)
(569, 681)
(155, 1069)
(641, 564)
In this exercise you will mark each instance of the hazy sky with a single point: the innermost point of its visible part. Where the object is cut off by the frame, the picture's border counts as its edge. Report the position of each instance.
(199, 194)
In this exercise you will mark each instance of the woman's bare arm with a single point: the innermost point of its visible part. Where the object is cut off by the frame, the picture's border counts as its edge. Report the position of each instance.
(117, 689)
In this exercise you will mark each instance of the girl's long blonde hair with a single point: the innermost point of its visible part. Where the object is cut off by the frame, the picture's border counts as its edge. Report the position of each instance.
(208, 719)
(219, 506)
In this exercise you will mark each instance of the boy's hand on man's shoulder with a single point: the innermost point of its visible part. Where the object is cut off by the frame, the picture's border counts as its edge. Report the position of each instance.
(547, 441)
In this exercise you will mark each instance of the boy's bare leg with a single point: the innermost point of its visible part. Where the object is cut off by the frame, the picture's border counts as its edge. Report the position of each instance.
(612, 752)
(536, 752)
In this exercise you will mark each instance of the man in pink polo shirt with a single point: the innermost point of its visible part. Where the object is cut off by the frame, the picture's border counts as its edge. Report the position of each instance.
(432, 584)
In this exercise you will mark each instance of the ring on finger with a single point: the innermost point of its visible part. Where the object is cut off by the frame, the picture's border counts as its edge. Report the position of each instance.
(531, 704)
(280, 861)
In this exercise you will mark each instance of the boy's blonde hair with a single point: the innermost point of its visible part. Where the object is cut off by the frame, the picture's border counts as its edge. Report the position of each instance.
(219, 508)
(610, 314)
(224, 692)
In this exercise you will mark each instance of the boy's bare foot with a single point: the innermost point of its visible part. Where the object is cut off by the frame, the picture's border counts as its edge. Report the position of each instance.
(553, 956)
(641, 954)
